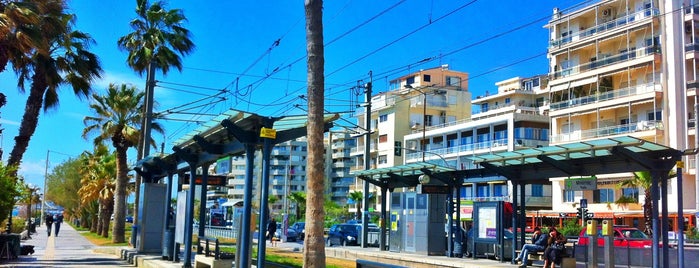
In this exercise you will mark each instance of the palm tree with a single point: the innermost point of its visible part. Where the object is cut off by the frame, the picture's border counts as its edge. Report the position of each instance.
(157, 42)
(18, 21)
(60, 58)
(314, 246)
(117, 118)
(644, 179)
(98, 183)
(357, 197)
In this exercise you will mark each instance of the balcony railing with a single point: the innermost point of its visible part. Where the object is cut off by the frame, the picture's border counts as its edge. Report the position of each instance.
(604, 96)
(602, 62)
(608, 131)
(606, 26)
(487, 198)
(457, 149)
(360, 149)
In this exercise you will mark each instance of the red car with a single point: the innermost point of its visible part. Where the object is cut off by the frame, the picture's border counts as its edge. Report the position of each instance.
(623, 237)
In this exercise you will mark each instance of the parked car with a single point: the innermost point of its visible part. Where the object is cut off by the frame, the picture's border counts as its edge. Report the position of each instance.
(623, 237)
(129, 218)
(347, 234)
(291, 234)
(300, 228)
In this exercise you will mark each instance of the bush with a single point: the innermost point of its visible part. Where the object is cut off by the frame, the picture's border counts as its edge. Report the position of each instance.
(571, 228)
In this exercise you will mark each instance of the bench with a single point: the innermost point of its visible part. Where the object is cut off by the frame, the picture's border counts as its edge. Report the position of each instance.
(208, 257)
(567, 258)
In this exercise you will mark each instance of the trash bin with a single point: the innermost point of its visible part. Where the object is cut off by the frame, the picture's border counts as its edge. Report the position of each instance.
(169, 244)
(134, 234)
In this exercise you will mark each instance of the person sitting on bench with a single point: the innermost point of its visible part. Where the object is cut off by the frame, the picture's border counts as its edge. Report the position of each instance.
(539, 241)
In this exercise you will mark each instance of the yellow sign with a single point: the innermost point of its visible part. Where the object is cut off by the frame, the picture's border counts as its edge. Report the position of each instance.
(680, 164)
(269, 133)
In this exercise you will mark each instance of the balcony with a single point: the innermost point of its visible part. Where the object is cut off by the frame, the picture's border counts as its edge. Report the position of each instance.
(360, 149)
(608, 95)
(607, 61)
(608, 131)
(605, 27)
(500, 144)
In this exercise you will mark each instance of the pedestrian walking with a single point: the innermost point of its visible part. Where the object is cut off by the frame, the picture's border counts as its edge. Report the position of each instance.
(57, 220)
(49, 221)
(271, 230)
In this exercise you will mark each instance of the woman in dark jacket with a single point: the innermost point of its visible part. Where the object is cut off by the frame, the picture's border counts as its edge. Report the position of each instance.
(556, 245)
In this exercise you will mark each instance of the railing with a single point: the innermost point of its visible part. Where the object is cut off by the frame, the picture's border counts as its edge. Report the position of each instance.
(606, 26)
(457, 149)
(219, 231)
(608, 131)
(487, 198)
(360, 149)
(609, 95)
(599, 63)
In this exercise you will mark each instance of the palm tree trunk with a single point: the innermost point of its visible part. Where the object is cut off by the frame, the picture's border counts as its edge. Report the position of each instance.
(30, 119)
(120, 196)
(106, 217)
(96, 221)
(314, 246)
(647, 211)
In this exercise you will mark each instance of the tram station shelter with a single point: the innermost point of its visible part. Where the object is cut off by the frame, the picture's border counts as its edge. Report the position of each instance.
(537, 165)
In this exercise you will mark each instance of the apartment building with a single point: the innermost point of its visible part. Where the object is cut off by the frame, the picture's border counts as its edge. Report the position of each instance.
(511, 119)
(338, 164)
(420, 100)
(616, 69)
(287, 174)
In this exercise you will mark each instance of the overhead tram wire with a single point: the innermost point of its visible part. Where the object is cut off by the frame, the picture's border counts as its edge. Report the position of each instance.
(285, 66)
(403, 37)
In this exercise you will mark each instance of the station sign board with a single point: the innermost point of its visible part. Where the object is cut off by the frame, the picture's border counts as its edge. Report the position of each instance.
(581, 184)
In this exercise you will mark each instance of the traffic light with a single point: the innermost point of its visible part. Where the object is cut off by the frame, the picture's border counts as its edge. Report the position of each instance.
(397, 148)
(581, 212)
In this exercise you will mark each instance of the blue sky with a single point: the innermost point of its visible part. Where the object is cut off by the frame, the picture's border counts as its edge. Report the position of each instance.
(235, 52)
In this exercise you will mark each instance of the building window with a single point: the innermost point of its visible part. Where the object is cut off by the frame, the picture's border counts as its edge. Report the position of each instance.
(454, 81)
(630, 193)
(569, 196)
(383, 138)
(410, 80)
(507, 101)
(657, 115)
(428, 120)
(603, 196)
(467, 192)
(383, 118)
(427, 78)
(537, 190)
(383, 159)
(483, 191)
(500, 190)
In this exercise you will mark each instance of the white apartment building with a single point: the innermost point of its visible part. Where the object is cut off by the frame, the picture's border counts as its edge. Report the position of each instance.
(420, 100)
(513, 118)
(287, 174)
(338, 164)
(617, 68)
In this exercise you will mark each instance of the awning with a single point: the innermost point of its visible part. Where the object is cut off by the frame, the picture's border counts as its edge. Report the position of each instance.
(233, 203)
(572, 84)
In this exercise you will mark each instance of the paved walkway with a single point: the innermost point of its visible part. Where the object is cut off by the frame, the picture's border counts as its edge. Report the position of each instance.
(68, 249)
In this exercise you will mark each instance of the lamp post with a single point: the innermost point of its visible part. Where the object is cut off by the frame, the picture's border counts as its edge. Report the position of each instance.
(46, 176)
(424, 116)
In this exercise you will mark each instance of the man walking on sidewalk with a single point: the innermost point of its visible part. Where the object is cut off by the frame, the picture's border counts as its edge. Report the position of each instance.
(49, 221)
(58, 219)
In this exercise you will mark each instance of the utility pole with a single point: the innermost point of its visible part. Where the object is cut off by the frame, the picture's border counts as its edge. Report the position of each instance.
(367, 161)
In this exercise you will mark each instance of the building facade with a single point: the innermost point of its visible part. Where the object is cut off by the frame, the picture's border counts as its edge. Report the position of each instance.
(513, 118)
(617, 68)
(421, 100)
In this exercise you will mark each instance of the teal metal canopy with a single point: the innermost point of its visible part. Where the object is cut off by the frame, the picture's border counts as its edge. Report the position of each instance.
(602, 156)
